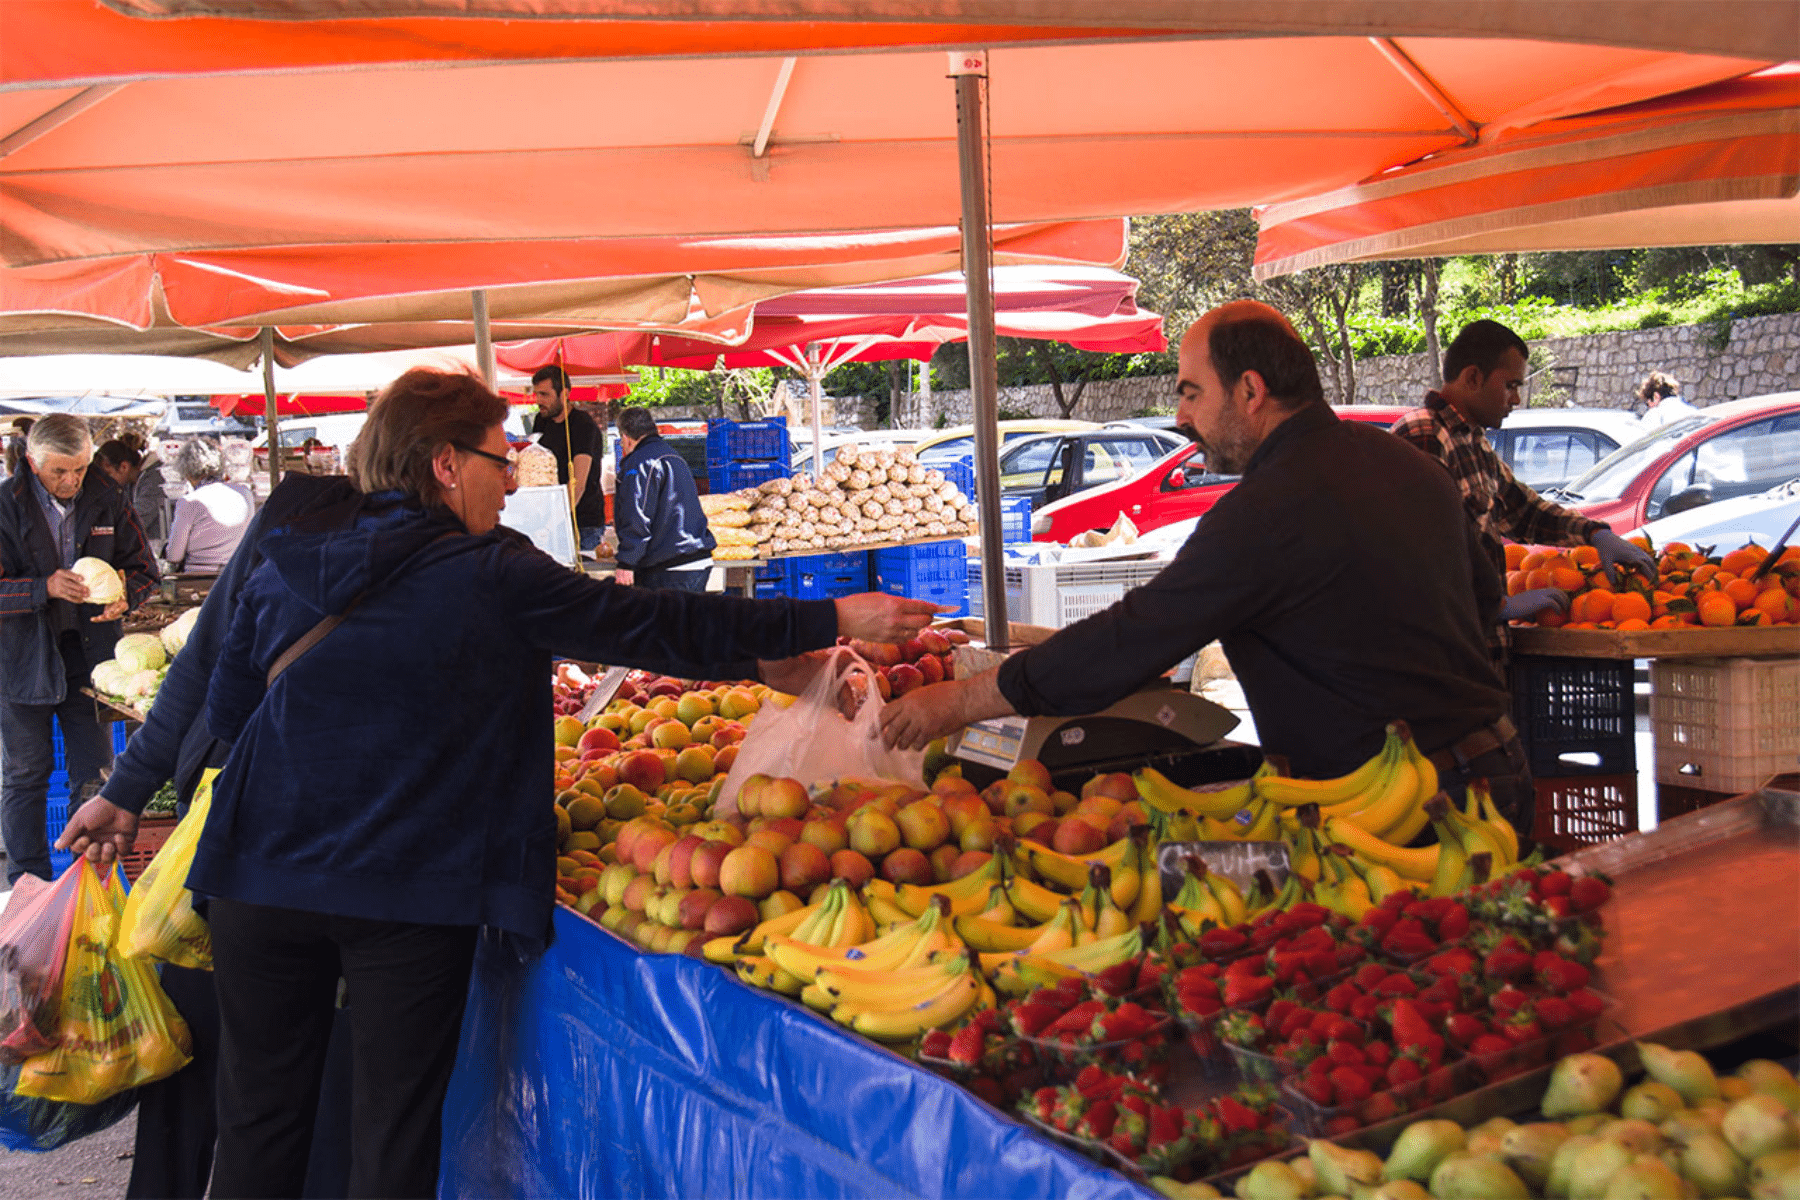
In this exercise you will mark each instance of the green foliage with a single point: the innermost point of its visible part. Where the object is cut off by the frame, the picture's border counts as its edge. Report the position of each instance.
(664, 387)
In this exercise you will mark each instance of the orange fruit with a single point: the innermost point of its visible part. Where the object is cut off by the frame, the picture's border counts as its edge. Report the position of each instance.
(1632, 624)
(1705, 572)
(1743, 560)
(1567, 578)
(1515, 554)
(1597, 605)
(1716, 609)
(1630, 606)
(1551, 619)
(1668, 621)
(1742, 592)
(1515, 582)
(1753, 616)
(1532, 561)
(1585, 556)
(1537, 578)
(1776, 602)
(1677, 548)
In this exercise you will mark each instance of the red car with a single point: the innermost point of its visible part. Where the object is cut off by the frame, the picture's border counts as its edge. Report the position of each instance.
(1738, 448)
(1177, 487)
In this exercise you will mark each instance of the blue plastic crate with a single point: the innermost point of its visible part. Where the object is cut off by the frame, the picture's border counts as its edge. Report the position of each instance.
(56, 815)
(1015, 518)
(828, 576)
(771, 580)
(729, 477)
(933, 562)
(955, 594)
(733, 441)
(961, 472)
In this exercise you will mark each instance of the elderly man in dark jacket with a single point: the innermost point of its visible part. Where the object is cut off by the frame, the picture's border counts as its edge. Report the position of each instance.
(53, 512)
(663, 538)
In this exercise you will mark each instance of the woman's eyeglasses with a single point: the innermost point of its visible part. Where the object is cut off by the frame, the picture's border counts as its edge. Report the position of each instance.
(506, 464)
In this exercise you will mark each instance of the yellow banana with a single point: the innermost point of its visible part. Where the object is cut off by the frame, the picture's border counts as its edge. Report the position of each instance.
(1164, 794)
(968, 894)
(1032, 900)
(883, 909)
(1058, 933)
(1381, 880)
(1149, 903)
(1416, 818)
(979, 933)
(1231, 900)
(904, 945)
(1417, 864)
(1266, 825)
(817, 998)
(1282, 790)
(1182, 827)
(1501, 827)
(1220, 831)
(784, 925)
(1195, 905)
(1453, 860)
(1392, 803)
(1099, 955)
(722, 950)
(1000, 909)
(903, 1026)
(1303, 856)
(1476, 838)
(902, 985)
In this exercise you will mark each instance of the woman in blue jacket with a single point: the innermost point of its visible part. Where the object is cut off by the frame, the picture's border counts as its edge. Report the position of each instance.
(388, 788)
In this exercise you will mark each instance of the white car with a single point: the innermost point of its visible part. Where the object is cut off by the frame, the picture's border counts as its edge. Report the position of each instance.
(1727, 524)
(1547, 447)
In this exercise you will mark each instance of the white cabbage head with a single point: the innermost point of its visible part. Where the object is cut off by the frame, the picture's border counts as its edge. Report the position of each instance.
(104, 584)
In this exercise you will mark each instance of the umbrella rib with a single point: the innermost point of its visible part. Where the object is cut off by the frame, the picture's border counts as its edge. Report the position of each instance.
(67, 111)
(776, 95)
(1427, 86)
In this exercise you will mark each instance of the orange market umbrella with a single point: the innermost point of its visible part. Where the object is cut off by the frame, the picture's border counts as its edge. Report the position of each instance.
(1716, 164)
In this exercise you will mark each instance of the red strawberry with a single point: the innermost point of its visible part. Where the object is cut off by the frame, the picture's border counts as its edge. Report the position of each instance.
(1408, 944)
(1031, 1018)
(1397, 985)
(1318, 1089)
(1298, 1019)
(1365, 1007)
(1404, 1070)
(1243, 1029)
(1118, 979)
(1463, 1028)
(1506, 962)
(1098, 1121)
(1124, 1143)
(1379, 920)
(1553, 883)
(1235, 1116)
(1219, 943)
(1588, 893)
(1150, 973)
(1409, 1027)
(1344, 1054)
(935, 1044)
(1345, 1030)
(1557, 906)
(1308, 914)
(1350, 1085)
(1045, 1099)
(966, 1047)
(1559, 974)
(1453, 923)
(1136, 1102)
(1489, 1043)
(1553, 1013)
(1586, 1003)
(1240, 990)
(1198, 1004)
(1339, 998)
(1377, 1052)
(1323, 1023)
(1507, 1001)
(1165, 1126)
(1522, 1026)
(1276, 1015)
(1369, 975)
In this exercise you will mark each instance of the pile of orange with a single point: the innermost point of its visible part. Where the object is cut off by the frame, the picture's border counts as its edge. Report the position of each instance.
(1690, 590)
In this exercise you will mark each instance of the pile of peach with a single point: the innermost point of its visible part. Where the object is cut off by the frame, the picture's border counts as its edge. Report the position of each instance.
(1690, 589)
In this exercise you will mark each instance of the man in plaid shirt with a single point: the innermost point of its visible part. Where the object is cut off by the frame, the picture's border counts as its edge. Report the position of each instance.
(1484, 368)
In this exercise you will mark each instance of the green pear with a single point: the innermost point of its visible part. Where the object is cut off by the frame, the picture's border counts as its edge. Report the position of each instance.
(1485, 1138)
(1582, 1083)
(1562, 1164)
(1650, 1101)
(1595, 1166)
(1685, 1071)
(1772, 1079)
(1529, 1149)
(1588, 1123)
(1649, 1178)
(1340, 1170)
(1399, 1189)
(1640, 1137)
(1176, 1190)
(1759, 1125)
(1272, 1180)
(1476, 1177)
(1713, 1167)
(1688, 1124)
(1309, 1175)
(1420, 1147)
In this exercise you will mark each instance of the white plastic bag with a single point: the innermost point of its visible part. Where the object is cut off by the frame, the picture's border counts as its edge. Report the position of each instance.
(811, 740)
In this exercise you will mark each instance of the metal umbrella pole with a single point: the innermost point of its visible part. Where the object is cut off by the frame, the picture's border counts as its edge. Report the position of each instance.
(969, 68)
(272, 419)
(815, 386)
(484, 335)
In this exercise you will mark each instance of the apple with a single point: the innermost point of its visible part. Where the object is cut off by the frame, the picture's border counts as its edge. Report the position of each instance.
(931, 669)
(704, 864)
(923, 825)
(785, 798)
(719, 831)
(953, 785)
(567, 731)
(670, 735)
(640, 720)
(872, 832)
(1024, 823)
(649, 845)
(750, 792)
(1063, 802)
(961, 810)
(643, 769)
(907, 865)
(613, 880)
(804, 866)
(826, 833)
(968, 862)
(749, 871)
(1077, 835)
(1116, 785)
(738, 704)
(942, 859)
(681, 859)
(994, 796)
(904, 678)
(658, 941)
(979, 834)
(1032, 773)
(613, 915)
(851, 867)
(694, 764)
(664, 865)
(624, 802)
(692, 912)
(772, 840)
(729, 734)
(779, 904)
(1103, 807)
(931, 641)
(598, 738)
(724, 759)
(611, 720)
(637, 892)
(1120, 827)
(693, 707)
(788, 827)
(730, 915)
(664, 706)
(1024, 797)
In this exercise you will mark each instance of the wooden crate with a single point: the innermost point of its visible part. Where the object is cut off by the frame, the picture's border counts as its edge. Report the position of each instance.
(1765, 641)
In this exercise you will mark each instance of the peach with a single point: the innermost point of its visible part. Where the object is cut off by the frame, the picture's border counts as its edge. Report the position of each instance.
(728, 736)
(785, 798)
(872, 833)
(749, 797)
(691, 913)
(704, 728)
(942, 859)
(923, 825)
(852, 867)
(804, 866)
(724, 757)
(749, 871)
(968, 862)
(730, 915)
(826, 833)
(704, 866)
(907, 865)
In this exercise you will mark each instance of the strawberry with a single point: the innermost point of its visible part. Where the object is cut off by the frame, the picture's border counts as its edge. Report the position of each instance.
(1318, 1089)
(1452, 964)
(1397, 985)
(1557, 907)
(1377, 1053)
(1166, 1125)
(1344, 1054)
(1243, 1029)
(1297, 1019)
(1118, 979)
(1241, 990)
(1345, 1030)
(1463, 1028)
(1098, 1121)
(1553, 1013)
(967, 1046)
(1235, 1116)
(1489, 1044)
(1196, 979)
(1220, 943)
(1553, 883)
(1136, 1103)
(1198, 1004)
(1275, 1017)
(1364, 1007)
(1522, 1026)
(1379, 920)
(1031, 1018)
(1588, 893)
(1507, 1001)
(1586, 1004)
(1150, 973)
(1045, 1101)
(1092, 1082)
(1453, 923)
(935, 1044)
(1369, 975)
(1404, 1070)
(1409, 1027)
(1077, 1020)
(1408, 943)
(1124, 1144)
(1308, 914)
(1339, 998)
(1323, 1023)
(1350, 1086)
(1507, 962)
(1559, 974)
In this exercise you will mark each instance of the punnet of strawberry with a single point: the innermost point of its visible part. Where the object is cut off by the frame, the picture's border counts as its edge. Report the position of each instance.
(984, 1056)
(1405, 928)
(1136, 978)
(1071, 1026)
(1349, 1083)
(1547, 907)
(1150, 1136)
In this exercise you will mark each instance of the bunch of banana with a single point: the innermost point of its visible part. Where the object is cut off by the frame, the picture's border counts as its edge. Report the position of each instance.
(1205, 898)
(1179, 814)
(1018, 974)
(1266, 897)
(966, 895)
(901, 1004)
(1340, 888)
(1471, 849)
(1059, 933)
(1124, 858)
(840, 921)
(916, 943)
(1385, 797)
(727, 950)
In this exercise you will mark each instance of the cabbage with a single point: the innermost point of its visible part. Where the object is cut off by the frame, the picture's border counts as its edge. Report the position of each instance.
(141, 685)
(140, 652)
(103, 583)
(177, 632)
(109, 678)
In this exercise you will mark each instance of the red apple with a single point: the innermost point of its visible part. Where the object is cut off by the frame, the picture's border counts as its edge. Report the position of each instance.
(785, 798)
(598, 738)
(644, 770)
(691, 912)
(923, 825)
(703, 867)
(852, 868)
(772, 840)
(1116, 785)
(907, 865)
(931, 641)
(1031, 772)
(650, 843)
(804, 866)
(826, 833)
(1044, 832)
(730, 915)
(681, 858)
(968, 862)
(942, 860)
(1077, 835)
(905, 678)
(749, 871)
(749, 797)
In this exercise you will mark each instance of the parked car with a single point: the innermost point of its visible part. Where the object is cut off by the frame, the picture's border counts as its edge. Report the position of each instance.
(1547, 447)
(1727, 524)
(1174, 489)
(947, 445)
(1738, 448)
(1054, 465)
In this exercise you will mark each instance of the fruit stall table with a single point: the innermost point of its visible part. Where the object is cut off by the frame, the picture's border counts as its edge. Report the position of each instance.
(596, 1070)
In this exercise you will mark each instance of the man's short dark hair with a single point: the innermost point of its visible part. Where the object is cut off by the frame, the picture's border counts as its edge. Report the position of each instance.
(554, 374)
(1481, 344)
(116, 453)
(1260, 343)
(636, 423)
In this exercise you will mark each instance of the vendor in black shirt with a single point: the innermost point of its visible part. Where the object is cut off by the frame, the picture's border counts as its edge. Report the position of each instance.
(578, 443)
(1341, 575)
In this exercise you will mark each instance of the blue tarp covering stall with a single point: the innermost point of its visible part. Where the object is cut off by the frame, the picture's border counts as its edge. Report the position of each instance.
(597, 1071)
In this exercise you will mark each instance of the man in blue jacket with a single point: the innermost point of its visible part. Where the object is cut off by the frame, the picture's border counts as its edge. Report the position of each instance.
(53, 512)
(663, 538)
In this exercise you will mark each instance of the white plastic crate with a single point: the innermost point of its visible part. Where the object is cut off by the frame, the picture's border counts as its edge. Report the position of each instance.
(1056, 595)
(1724, 724)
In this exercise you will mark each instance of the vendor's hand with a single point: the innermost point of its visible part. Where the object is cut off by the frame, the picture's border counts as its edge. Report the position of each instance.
(1619, 557)
(878, 617)
(112, 612)
(622, 575)
(101, 830)
(792, 675)
(1526, 605)
(67, 585)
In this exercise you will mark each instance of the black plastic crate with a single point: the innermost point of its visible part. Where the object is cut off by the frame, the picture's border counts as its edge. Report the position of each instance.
(1576, 716)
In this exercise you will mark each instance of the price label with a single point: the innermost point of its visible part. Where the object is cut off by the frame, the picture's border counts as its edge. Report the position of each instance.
(968, 62)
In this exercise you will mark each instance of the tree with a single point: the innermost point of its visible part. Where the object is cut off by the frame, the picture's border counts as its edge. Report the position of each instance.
(1320, 302)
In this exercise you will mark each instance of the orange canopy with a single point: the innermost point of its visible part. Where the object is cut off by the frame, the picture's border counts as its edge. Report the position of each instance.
(1716, 164)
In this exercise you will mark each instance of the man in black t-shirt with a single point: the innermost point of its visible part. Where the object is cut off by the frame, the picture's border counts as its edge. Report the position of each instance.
(577, 444)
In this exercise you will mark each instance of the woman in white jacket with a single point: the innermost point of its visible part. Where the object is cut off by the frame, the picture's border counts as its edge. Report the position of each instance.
(209, 521)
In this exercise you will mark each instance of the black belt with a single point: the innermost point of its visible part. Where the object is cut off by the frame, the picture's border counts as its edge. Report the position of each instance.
(1485, 740)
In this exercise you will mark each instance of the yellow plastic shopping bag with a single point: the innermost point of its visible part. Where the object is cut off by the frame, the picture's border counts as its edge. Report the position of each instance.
(160, 921)
(116, 1028)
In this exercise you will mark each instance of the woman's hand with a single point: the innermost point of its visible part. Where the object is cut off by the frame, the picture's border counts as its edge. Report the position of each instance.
(99, 829)
(877, 617)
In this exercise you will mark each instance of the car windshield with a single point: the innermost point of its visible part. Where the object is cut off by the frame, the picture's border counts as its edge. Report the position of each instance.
(1613, 474)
